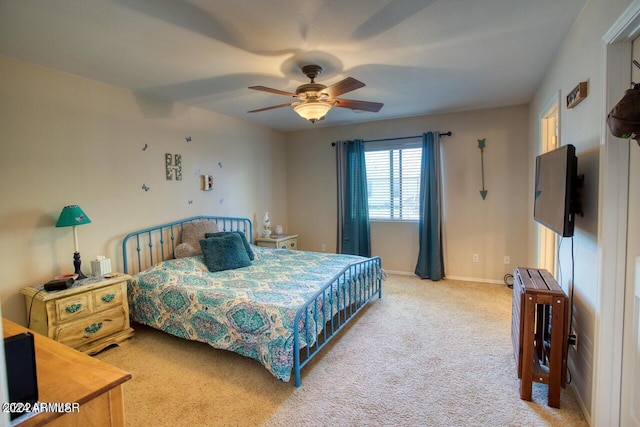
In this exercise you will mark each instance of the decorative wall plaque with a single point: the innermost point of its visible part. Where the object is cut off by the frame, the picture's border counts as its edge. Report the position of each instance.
(577, 95)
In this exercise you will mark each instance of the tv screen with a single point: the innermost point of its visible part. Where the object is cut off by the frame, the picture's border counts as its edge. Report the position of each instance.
(555, 186)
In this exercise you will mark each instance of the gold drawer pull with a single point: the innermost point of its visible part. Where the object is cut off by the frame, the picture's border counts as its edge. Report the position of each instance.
(73, 308)
(108, 297)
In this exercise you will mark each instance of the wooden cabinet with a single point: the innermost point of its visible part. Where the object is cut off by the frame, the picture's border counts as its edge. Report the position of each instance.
(93, 387)
(279, 241)
(89, 316)
(539, 332)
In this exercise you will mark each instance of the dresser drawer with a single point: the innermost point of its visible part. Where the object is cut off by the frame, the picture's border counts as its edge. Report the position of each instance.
(291, 244)
(111, 296)
(279, 241)
(73, 307)
(75, 334)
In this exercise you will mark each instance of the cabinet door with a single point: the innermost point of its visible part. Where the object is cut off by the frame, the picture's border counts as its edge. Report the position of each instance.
(75, 334)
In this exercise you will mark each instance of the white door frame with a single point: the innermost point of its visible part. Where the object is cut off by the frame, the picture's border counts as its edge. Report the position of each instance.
(547, 240)
(612, 227)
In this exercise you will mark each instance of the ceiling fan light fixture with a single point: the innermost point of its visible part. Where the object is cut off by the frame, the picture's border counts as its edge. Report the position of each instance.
(314, 100)
(312, 111)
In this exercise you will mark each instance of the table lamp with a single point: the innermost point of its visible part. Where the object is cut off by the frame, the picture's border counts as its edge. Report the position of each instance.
(71, 216)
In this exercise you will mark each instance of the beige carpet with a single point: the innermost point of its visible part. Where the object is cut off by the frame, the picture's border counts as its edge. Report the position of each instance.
(427, 354)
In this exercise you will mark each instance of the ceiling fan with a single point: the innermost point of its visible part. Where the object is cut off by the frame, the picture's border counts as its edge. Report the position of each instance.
(314, 100)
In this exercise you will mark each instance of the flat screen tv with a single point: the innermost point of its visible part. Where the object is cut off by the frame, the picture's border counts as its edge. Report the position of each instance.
(555, 189)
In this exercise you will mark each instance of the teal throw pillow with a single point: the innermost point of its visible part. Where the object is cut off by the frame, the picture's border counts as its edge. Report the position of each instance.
(224, 253)
(246, 244)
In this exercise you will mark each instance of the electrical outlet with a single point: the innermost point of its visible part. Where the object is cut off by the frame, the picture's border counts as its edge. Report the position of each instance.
(507, 259)
(476, 257)
(573, 339)
(323, 247)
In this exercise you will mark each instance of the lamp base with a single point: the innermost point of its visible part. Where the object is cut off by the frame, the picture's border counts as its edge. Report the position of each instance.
(76, 264)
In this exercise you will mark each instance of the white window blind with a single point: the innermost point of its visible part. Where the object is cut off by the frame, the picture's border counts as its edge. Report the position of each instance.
(393, 179)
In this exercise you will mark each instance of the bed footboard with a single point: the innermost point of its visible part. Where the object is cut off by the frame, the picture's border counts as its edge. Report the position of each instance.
(333, 307)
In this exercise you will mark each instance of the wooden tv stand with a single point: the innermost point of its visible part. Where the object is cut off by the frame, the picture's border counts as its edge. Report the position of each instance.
(69, 376)
(539, 332)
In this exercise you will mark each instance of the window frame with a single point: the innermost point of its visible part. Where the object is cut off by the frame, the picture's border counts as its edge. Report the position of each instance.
(390, 145)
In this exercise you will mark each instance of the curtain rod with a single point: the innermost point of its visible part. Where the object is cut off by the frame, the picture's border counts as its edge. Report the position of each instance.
(333, 144)
(404, 137)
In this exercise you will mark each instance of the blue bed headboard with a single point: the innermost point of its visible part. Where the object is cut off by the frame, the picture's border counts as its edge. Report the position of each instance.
(143, 248)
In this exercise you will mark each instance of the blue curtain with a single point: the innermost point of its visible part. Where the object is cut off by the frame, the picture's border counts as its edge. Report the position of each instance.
(430, 257)
(353, 206)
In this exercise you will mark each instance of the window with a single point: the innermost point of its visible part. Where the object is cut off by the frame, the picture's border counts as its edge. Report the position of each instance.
(393, 179)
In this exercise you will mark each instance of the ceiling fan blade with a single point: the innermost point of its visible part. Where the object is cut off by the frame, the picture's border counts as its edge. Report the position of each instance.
(271, 108)
(343, 86)
(358, 105)
(271, 90)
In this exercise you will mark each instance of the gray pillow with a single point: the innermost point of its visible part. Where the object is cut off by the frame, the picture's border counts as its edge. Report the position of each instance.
(224, 253)
(193, 231)
(184, 250)
(246, 244)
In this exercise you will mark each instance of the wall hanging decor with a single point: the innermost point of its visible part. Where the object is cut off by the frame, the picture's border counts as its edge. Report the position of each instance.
(624, 117)
(170, 167)
(481, 145)
(577, 95)
(206, 182)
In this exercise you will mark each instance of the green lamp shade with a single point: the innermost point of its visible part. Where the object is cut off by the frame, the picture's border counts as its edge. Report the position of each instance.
(72, 215)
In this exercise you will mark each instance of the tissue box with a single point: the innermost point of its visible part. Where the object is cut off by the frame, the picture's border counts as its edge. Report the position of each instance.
(100, 267)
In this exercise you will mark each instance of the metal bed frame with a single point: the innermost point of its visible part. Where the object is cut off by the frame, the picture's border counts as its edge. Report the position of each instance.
(331, 308)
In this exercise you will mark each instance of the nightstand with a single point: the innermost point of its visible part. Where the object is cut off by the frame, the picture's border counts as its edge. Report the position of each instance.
(90, 315)
(279, 241)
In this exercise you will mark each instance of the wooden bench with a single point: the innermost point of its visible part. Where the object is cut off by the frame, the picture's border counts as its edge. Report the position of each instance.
(539, 332)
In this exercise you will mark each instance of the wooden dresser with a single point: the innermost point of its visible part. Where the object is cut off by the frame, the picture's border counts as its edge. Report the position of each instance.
(89, 316)
(68, 376)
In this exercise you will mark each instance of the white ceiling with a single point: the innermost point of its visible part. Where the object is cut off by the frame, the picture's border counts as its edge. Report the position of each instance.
(415, 56)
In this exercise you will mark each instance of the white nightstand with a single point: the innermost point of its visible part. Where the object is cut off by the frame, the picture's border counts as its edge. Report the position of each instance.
(279, 241)
(87, 317)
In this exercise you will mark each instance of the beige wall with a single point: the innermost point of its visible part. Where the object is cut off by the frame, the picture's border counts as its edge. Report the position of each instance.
(580, 59)
(492, 228)
(68, 140)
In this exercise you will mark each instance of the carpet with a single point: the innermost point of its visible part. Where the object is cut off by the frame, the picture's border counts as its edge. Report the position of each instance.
(425, 354)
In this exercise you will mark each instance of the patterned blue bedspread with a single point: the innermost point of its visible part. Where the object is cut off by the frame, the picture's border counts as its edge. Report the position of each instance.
(249, 310)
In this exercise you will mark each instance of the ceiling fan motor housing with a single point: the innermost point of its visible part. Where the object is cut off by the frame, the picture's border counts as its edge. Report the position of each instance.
(310, 90)
(312, 71)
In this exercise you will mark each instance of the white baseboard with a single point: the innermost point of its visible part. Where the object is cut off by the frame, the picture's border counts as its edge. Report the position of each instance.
(465, 279)
(400, 273)
(475, 279)
(585, 411)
